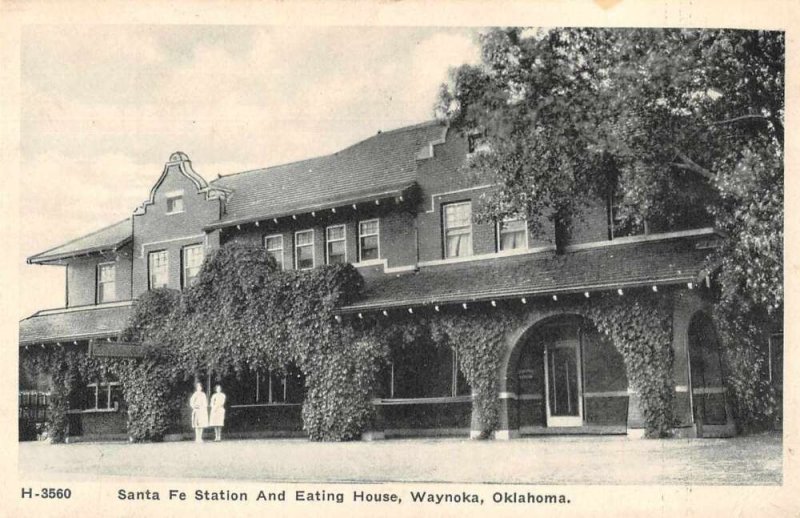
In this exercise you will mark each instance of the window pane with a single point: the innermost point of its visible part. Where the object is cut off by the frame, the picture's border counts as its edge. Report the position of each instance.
(304, 238)
(192, 261)
(458, 215)
(278, 256)
(274, 246)
(336, 253)
(512, 234)
(159, 269)
(459, 245)
(368, 227)
(116, 396)
(368, 232)
(175, 204)
(305, 257)
(458, 229)
(274, 242)
(335, 233)
(106, 283)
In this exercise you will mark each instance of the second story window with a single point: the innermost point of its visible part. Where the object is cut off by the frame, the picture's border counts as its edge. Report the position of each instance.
(192, 261)
(512, 235)
(369, 240)
(274, 246)
(304, 249)
(106, 283)
(618, 224)
(174, 203)
(457, 223)
(336, 244)
(158, 269)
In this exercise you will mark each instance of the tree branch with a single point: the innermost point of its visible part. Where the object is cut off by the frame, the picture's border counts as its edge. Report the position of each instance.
(733, 120)
(690, 165)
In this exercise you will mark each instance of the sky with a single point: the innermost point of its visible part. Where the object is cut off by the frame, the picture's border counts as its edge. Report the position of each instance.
(103, 107)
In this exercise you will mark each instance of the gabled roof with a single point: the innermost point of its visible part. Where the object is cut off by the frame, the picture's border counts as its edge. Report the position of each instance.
(74, 324)
(384, 163)
(107, 238)
(605, 268)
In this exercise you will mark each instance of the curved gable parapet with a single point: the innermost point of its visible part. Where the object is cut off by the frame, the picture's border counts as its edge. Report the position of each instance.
(179, 162)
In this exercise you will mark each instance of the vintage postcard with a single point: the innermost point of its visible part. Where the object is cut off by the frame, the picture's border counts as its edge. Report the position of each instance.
(519, 258)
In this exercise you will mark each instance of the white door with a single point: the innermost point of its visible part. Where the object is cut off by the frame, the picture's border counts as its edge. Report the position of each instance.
(563, 386)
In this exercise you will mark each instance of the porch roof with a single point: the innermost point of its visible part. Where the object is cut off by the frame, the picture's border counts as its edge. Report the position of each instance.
(53, 325)
(671, 261)
(111, 237)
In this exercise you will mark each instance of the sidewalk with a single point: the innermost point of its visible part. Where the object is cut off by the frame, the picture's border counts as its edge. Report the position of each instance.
(543, 460)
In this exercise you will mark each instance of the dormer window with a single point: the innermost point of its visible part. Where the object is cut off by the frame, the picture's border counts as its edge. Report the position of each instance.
(175, 202)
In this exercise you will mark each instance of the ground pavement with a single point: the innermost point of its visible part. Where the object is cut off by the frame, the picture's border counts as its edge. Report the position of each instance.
(755, 460)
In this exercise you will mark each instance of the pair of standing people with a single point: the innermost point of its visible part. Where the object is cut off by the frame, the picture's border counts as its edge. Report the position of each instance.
(202, 417)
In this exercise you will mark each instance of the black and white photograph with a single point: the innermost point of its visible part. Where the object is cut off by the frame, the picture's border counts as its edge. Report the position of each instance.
(431, 269)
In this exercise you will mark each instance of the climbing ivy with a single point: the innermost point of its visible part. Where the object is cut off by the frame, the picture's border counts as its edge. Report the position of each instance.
(744, 335)
(640, 327)
(246, 314)
(69, 369)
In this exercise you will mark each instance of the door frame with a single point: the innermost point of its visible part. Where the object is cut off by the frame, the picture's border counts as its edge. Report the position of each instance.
(565, 421)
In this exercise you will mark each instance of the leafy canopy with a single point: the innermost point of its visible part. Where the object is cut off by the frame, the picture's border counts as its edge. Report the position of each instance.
(679, 124)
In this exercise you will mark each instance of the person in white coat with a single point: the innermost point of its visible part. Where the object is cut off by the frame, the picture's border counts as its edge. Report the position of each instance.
(217, 417)
(199, 404)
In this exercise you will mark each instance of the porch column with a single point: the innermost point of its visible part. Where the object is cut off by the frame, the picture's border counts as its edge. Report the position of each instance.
(508, 420)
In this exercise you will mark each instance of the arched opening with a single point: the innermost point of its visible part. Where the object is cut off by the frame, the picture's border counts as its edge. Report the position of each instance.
(568, 375)
(706, 374)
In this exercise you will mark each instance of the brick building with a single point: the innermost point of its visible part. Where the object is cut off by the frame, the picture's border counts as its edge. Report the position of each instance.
(399, 208)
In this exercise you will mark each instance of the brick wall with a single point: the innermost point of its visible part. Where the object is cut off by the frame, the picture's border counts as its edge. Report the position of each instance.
(82, 277)
(156, 230)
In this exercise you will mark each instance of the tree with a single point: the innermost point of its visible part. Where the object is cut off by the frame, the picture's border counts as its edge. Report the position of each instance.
(679, 124)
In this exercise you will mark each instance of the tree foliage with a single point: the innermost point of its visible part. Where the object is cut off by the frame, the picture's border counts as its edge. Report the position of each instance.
(683, 127)
(572, 114)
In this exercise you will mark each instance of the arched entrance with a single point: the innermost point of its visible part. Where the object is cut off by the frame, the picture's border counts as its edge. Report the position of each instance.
(567, 376)
(709, 405)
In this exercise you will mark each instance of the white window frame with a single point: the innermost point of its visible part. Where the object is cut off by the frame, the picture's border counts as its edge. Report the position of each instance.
(172, 196)
(328, 241)
(100, 266)
(150, 268)
(106, 386)
(362, 235)
(499, 230)
(445, 229)
(313, 249)
(273, 236)
(184, 277)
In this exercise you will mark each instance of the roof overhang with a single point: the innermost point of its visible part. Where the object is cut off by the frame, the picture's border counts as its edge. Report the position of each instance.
(396, 194)
(45, 258)
(500, 295)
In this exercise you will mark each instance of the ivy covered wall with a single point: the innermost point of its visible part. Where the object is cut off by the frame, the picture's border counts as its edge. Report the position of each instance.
(244, 314)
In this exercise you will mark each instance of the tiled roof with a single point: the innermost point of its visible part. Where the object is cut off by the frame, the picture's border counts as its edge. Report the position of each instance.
(383, 163)
(609, 267)
(73, 324)
(108, 238)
